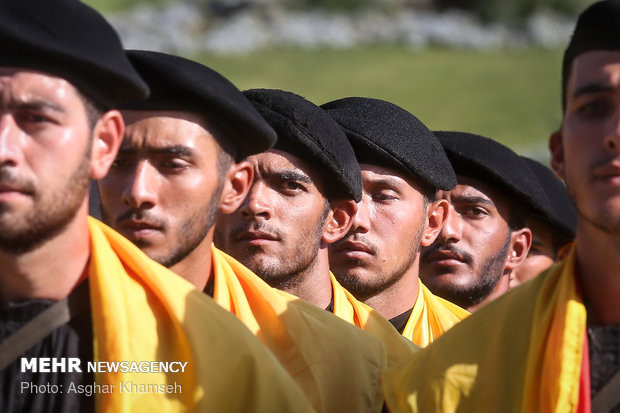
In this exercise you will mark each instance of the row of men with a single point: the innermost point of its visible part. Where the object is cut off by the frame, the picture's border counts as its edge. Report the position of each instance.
(336, 192)
(342, 207)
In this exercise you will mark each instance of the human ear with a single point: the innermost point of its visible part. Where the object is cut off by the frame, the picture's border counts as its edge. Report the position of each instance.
(436, 215)
(239, 179)
(339, 220)
(521, 241)
(107, 136)
(556, 147)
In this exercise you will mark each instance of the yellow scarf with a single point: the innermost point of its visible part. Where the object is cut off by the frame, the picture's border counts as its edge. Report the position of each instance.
(431, 317)
(143, 312)
(336, 364)
(347, 307)
(519, 353)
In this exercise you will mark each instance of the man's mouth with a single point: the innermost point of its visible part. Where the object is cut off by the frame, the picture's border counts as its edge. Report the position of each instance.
(256, 237)
(354, 249)
(444, 257)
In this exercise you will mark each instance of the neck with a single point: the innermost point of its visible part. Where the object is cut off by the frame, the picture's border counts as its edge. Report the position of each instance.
(197, 266)
(502, 287)
(598, 265)
(314, 284)
(398, 297)
(50, 271)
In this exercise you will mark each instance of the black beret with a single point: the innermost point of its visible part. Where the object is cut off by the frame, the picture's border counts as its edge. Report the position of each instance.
(491, 162)
(179, 84)
(70, 40)
(597, 28)
(563, 215)
(382, 133)
(308, 132)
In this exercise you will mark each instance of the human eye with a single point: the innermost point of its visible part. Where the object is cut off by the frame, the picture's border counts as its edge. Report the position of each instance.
(535, 250)
(29, 118)
(384, 196)
(594, 107)
(291, 187)
(122, 162)
(174, 165)
(475, 212)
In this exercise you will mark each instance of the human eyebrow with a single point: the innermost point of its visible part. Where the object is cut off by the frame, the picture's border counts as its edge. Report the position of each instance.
(36, 105)
(175, 150)
(288, 175)
(472, 200)
(592, 88)
(386, 182)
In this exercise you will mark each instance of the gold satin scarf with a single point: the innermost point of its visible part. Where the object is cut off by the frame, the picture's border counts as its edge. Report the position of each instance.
(353, 311)
(336, 364)
(431, 317)
(141, 311)
(520, 353)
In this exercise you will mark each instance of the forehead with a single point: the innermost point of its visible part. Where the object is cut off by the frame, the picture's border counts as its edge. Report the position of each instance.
(18, 84)
(471, 188)
(594, 68)
(158, 129)
(276, 160)
(385, 175)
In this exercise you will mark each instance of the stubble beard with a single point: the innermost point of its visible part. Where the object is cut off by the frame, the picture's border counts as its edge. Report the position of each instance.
(51, 212)
(482, 285)
(285, 274)
(606, 221)
(363, 290)
(192, 231)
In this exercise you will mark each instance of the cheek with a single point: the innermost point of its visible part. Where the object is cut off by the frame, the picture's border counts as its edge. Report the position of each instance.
(482, 240)
(580, 141)
(394, 227)
(68, 143)
(43, 155)
(536, 264)
(110, 195)
(192, 185)
(388, 217)
(111, 187)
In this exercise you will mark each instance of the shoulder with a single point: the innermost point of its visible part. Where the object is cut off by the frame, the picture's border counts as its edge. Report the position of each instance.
(483, 346)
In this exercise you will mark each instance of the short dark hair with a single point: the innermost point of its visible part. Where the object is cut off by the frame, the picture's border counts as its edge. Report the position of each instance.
(559, 237)
(224, 160)
(94, 109)
(517, 217)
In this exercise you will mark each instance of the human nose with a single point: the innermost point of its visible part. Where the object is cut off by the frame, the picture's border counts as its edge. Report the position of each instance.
(141, 190)
(452, 229)
(257, 203)
(612, 139)
(10, 135)
(361, 220)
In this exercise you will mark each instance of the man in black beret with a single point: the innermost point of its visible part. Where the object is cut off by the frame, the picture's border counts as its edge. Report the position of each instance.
(167, 135)
(72, 291)
(485, 237)
(183, 161)
(402, 166)
(303, 199)
(550, 344)
(552, 233)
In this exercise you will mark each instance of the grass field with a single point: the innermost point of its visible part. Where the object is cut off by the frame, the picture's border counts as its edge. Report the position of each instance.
(511, 96)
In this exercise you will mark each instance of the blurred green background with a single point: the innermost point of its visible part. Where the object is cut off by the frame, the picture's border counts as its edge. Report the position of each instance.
(509, 95)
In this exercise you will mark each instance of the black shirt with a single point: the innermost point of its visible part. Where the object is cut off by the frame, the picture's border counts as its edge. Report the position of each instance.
(47, 392)
(604, 352)
(400, 321)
